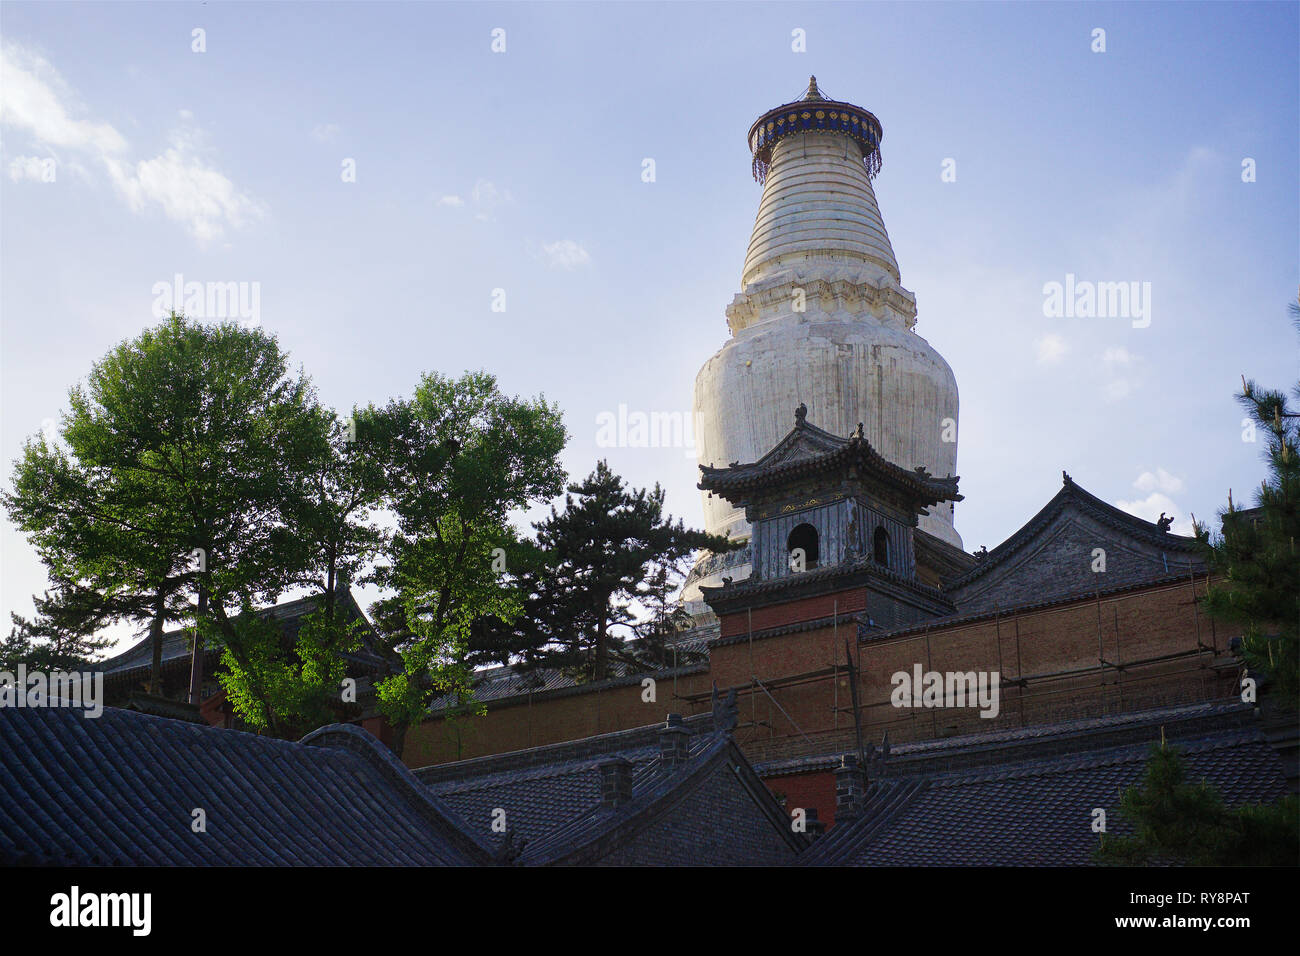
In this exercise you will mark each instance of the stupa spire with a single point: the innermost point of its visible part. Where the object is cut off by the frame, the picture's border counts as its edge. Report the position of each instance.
(816, 159)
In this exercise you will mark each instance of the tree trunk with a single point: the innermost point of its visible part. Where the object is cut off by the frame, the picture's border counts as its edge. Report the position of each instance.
(196, 661)
(155, 636)
(602, 651)
(399, 740)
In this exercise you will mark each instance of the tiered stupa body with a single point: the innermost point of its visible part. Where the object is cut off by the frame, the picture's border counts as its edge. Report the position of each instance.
(821, 319)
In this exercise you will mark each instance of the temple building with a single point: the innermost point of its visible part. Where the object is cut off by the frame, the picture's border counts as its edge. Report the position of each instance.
(821, 319)
(827, 443)
(857, 689)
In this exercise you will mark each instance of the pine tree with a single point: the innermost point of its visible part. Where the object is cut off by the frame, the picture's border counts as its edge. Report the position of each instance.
(602, 550)
(1178, 822)
(664, 620)
(1258, 552)
(61, 636)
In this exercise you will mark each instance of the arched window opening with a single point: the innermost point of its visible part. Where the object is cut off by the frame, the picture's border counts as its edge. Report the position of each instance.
(882, 546)
(802, 546)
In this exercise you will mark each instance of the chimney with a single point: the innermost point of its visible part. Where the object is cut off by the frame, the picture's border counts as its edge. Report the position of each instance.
(674, 743)
(850, 788)
(615, 782)
(813, 827)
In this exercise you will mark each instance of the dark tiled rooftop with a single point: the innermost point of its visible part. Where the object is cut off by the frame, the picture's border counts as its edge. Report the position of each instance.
(120, 789)
(1034, 813)
(137, 659)
(543, 789)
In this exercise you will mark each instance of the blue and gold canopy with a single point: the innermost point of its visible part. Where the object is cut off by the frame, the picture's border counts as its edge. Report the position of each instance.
(814, 112)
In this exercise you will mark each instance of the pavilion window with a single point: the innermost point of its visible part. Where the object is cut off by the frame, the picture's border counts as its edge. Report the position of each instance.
(881, 546)
(803, 537)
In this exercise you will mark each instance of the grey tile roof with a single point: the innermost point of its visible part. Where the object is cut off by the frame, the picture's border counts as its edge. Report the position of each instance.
(552, 797)
(1009, 745)
(120, 789)
(137, 659)
(544, 788)
(1034, 813)
(1049, 558)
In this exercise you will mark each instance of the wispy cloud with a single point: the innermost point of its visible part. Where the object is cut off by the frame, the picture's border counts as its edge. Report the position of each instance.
(485, 198)
(1050, 349)
(180, 183)
(565, 254)
(29, 167)
(1158, 480)
(325, 132)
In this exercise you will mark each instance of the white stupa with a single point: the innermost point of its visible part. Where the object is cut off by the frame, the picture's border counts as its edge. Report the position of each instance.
(822, 320)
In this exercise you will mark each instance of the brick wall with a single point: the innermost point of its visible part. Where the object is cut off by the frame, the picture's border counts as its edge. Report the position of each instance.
(804, 704)
(553, 718)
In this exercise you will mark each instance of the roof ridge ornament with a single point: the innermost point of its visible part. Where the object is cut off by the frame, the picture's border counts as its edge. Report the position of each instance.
(801, 414)
(813, 93)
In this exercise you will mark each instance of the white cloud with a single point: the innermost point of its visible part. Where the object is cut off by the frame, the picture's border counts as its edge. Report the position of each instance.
(33, 101)
(325, 132)
(1117, 356)
(1158, 480)
(488, 198)
(566, 254)
(30, 167)
(179, 182)
(1151, 507)
(486, 194)
(1050, 349)
(485, 197)
(1158, 486)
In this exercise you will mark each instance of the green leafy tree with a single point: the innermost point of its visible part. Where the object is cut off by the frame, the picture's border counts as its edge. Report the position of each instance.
(108, 539)
(177, 491)
(1257, 554)
(330, 508)
(1178, 822)
(459, 457)
(604, 550)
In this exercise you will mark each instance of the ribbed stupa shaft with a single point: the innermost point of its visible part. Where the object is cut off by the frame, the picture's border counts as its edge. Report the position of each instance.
(817, 206)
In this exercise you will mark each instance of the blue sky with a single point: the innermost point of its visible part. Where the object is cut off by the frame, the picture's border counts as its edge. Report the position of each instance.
(522, 171)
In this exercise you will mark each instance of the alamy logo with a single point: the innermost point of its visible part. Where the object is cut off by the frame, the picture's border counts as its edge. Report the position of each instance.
(950, 689)
(637, 429)
(240, 301)
(1083, 299)
(74, 908)
(56, 689)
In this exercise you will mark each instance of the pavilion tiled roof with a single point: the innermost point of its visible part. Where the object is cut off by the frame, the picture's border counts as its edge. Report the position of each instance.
(807, 451)
(121, 789)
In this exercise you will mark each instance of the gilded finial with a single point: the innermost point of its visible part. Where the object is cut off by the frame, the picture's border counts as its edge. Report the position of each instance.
(813, 93)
